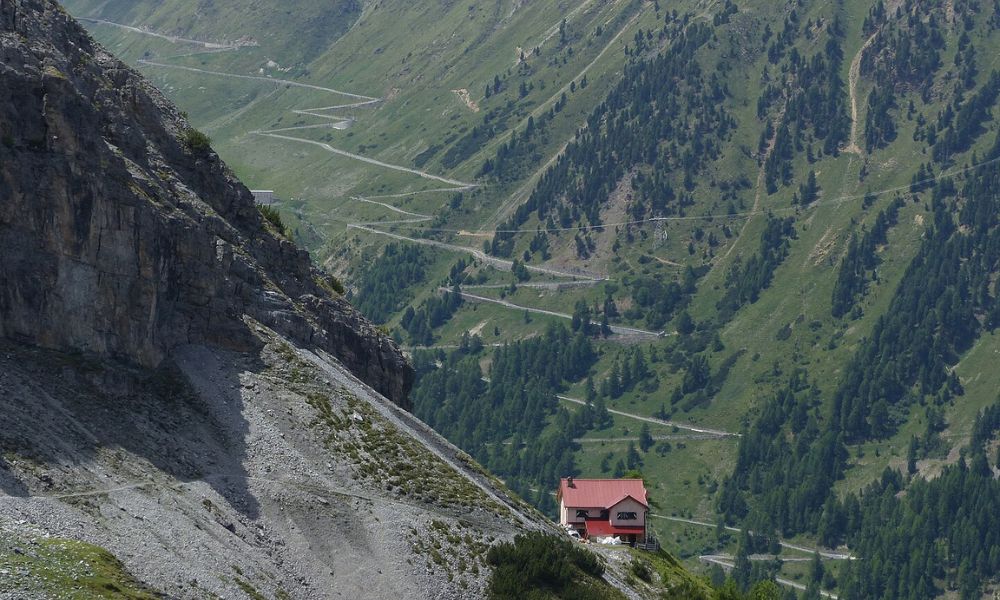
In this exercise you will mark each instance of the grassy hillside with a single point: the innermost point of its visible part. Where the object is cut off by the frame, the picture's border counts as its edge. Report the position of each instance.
(292, 32)
(772, 197)
(428, 66)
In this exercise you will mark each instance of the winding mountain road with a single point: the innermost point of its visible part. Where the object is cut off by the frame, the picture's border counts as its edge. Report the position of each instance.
(539, 285)
(715, 433)
(321, 113)
(725, 564)
(272, 80)
(827, 554)
(459, 185)
(499, 263)
(417, 217)
(170, 38)
(616, 329)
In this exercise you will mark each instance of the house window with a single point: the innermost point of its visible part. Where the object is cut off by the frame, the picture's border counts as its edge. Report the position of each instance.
(627, 516)
(581, 513)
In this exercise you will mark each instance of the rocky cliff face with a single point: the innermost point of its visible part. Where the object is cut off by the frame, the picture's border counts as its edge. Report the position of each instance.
(122, 237)
(179, 386)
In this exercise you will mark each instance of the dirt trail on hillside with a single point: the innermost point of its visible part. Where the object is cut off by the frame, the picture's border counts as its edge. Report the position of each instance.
(272, 80)
(757, 195)
(552, 31)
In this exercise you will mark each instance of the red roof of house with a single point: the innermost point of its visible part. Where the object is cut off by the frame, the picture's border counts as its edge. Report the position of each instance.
(601, 493)
(605, 528)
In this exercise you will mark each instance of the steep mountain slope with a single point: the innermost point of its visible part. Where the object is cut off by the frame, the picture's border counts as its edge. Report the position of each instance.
(789, 208)
(180, 386)
(406, 87)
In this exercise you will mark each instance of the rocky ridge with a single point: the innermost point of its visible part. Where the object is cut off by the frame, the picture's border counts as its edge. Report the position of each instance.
(125, 236)
(187, 408)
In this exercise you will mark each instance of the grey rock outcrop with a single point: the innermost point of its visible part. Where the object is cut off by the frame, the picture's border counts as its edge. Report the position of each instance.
(120, 238)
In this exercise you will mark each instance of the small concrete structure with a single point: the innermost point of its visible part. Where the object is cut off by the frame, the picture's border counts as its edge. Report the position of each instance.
(265, 197)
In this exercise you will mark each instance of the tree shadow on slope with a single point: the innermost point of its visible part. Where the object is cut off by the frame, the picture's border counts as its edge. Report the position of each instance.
(72, 424)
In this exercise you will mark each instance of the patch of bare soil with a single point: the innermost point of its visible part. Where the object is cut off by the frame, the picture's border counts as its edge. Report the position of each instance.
(478, 328)
(821, 251)
(564, 253)
(464, 95)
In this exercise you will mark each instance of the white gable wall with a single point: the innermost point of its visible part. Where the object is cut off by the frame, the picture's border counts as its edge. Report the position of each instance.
(628, 505)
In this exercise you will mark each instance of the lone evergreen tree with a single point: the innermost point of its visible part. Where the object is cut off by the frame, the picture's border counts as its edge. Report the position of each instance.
(645, 439)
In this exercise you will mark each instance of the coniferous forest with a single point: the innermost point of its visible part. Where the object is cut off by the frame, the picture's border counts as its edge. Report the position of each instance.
(867, 250)
(502, 420)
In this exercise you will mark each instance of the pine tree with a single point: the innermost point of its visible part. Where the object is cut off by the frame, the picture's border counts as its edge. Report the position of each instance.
(685, 324)
(633, 460)
(809, 191)
(639, 369)
(602, 418)
(645, 438)
(742, 568)
(615, 381)
(911, 455)
(816, 569)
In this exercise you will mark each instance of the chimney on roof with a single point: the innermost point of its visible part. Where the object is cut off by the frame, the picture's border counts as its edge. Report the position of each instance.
(569, 482)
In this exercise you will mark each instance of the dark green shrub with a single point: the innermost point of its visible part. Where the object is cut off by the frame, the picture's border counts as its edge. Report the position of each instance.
(196, 141)
(272, 216)
(337, 285)
(536, 565)
(641, 570)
